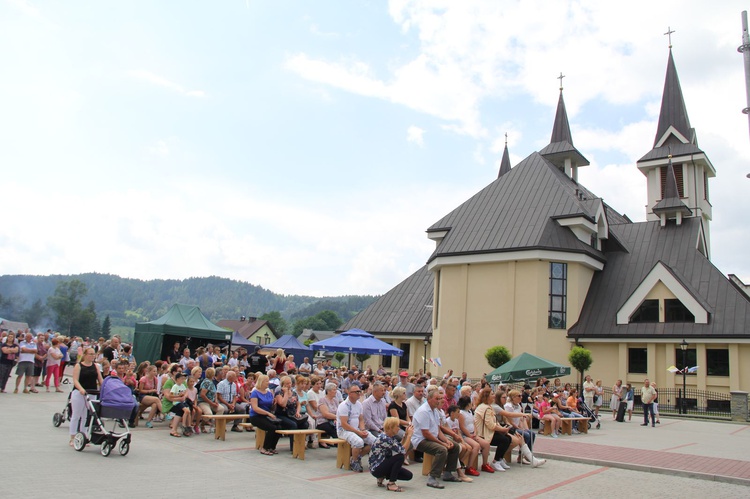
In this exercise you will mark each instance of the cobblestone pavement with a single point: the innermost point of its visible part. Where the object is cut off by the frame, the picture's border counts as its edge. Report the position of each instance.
(619, 461)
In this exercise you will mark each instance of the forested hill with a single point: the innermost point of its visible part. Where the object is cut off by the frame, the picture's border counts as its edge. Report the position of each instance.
(127, 301)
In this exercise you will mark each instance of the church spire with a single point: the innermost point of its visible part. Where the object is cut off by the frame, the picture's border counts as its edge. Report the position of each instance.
(505, 162)
(560, 151)
(561, 127)
(673, 111)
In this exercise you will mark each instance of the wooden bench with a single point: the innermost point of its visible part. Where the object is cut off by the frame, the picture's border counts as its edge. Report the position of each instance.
(221, 423)
(546, 428)
(343, 454)
(567, 425)
(298, 449)
(260, 438)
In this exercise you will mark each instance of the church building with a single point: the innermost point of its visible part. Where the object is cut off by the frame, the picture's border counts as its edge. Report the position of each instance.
(538, 263)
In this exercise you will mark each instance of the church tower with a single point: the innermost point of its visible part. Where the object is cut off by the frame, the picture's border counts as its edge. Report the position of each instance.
(676, 169)
(560, 151)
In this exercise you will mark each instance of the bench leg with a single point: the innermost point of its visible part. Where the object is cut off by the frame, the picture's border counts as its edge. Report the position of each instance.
(567, 427)
(344, 456)
(260, 438)
(583, 426)
(221, 429)
(299, 446)
(426, 464)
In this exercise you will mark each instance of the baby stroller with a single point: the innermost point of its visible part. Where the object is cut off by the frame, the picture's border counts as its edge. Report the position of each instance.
(60, 417)
(115, 402)
(586, 411)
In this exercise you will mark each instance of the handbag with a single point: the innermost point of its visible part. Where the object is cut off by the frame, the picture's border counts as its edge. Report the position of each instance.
(273, 418)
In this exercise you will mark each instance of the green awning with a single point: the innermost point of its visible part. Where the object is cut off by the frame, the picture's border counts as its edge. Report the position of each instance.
(526, 367)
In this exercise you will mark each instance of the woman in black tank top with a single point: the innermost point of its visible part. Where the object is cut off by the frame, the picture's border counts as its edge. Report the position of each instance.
(86, 378)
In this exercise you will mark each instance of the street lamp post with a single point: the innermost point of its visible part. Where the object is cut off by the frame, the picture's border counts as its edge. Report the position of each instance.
(426, 342)
(684, 346)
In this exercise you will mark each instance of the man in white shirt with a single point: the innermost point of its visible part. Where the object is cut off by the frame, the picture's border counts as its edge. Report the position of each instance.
(429, 437)
(305, 369)
(375, 409)
(350, 425)
(415, 401)
(25, 367)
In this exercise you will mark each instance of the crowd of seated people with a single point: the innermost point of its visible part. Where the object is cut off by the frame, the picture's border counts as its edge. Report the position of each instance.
(395, 418)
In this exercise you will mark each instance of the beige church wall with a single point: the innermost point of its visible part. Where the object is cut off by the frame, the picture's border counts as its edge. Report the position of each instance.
(742, 368)
(505, 303)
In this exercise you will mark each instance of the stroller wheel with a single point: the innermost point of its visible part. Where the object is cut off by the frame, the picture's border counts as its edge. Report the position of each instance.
(106, 449)
(124, 448)
(598, 426)
(57, 419)
(79, 441)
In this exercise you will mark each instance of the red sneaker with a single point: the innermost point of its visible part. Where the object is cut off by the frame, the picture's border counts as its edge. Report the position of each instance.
(472, 471)
(487, 468)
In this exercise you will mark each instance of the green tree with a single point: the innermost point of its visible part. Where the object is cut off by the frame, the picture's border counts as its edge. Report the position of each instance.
(362, 357)
(331, 319)
(339, 356)
(86, 323)
(326, 320)
(66, 303)
(497, 356)
(34, 314)
(106, 327)
(580, 359)
(277, 322)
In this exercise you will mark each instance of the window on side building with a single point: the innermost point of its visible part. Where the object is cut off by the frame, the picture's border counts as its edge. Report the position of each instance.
(558, 292)
(637, 360)
(717, 362)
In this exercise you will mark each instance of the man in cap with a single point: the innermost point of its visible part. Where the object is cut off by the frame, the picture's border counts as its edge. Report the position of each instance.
(403, 382)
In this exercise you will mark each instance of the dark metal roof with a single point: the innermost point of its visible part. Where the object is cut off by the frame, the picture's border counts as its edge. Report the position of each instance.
(673, 148)
(515, 212)
(673, 110)
(675, 246)
(402, 310)
(504, 163)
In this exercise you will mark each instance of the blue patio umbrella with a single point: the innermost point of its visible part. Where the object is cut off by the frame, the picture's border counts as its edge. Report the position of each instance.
(356, 341)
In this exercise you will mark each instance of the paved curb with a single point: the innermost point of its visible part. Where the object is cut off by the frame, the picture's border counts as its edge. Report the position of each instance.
(648, 469)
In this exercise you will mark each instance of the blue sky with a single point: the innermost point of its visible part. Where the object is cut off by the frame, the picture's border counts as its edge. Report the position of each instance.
(306, 146)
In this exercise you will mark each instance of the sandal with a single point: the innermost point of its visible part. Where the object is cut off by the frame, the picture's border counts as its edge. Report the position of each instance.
(380, 481)
(176, 435)
(392, 487)
(266, 452)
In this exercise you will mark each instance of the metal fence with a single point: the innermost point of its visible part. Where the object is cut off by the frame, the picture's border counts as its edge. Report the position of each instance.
(701, 403)
(695, 403)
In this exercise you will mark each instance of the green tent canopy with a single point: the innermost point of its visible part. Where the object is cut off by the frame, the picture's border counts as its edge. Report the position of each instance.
(180, 321)
(526, 367)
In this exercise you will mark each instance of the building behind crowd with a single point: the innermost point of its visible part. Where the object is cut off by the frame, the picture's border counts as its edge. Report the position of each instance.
(538, 263)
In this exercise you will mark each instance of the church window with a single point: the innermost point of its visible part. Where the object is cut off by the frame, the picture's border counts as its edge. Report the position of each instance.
(677, 175)
(637, 360)
(717, 362)
(675, 311)
(403, 362)
(387, 359)
(647, 312)
(691, 357)
(558, 290)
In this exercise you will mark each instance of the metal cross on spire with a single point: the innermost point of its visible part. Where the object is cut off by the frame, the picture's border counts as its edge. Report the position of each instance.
(506, 139)
(561, 79)
(669, 34)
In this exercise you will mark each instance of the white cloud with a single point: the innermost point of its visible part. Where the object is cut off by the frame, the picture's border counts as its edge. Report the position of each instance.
(26, 7)
(148, 76)
(415, 135)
